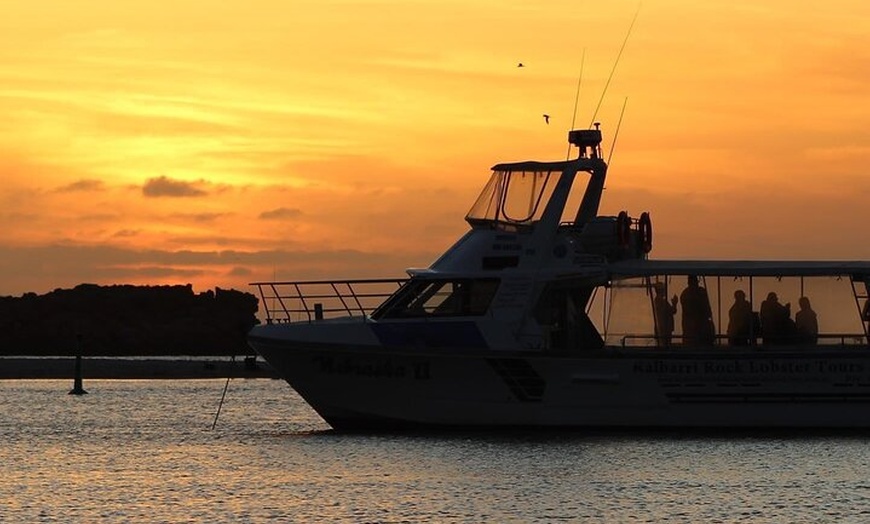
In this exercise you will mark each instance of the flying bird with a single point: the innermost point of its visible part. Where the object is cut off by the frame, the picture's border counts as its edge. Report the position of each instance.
(520, 65)
(546, 118)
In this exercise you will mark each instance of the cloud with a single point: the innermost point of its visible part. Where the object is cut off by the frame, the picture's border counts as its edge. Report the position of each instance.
(43, 268)
(166, 187)
(126, 233)
(241, 272)
(81, 185)
(281, 213)
(160, 272)
(100, 217)
(199, 217)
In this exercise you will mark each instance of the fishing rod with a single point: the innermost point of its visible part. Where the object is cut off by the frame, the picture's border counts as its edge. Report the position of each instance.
(223, 395)
(576, 100)
(615, 63)
(616, 133)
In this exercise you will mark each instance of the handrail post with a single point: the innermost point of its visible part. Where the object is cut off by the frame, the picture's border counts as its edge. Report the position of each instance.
(356, 299)
(340, 297)
(302, 300)
(265, 304)
(280, 301)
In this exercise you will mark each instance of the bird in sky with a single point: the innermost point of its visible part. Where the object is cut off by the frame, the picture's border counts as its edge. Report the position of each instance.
(520, 65)
(546, 118)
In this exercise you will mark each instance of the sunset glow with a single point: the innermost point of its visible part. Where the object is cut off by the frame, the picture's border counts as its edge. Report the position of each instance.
(219, 143)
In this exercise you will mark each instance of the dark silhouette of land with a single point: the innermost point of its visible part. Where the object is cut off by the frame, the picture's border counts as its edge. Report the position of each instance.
(126, 331)
(132, 368)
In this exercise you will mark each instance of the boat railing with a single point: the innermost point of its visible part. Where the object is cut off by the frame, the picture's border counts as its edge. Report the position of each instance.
(826, 340)
(312, 300)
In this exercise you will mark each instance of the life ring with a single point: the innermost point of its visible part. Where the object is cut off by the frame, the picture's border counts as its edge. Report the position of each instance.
(623, 228)
(644, 225)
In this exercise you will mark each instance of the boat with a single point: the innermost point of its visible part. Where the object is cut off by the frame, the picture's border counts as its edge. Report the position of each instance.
(546, 314)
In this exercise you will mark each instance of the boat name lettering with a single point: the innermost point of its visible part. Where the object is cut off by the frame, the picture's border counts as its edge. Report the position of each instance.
(665, 367)
(364, 367)
(840, 367)
(710, 367)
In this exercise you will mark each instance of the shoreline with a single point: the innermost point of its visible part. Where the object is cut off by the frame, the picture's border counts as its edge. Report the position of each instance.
(22, 368)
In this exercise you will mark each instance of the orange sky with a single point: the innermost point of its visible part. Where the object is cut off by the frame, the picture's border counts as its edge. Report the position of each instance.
(218, 143)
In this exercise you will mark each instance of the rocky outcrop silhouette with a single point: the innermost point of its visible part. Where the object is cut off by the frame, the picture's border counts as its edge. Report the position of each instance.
(126, 320)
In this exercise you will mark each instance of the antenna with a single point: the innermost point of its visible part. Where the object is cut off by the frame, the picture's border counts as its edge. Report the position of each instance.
(576, 100)
(616, 133)
(618, 56)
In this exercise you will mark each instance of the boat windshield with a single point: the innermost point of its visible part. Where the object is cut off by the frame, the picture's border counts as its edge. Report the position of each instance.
(440, 298)
(514, 196)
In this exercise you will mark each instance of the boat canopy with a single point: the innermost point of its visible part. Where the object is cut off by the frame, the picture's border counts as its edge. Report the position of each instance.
(858, 270)
(516, 193)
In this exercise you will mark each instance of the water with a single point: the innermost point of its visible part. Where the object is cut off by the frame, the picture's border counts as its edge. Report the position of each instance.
(143, 451)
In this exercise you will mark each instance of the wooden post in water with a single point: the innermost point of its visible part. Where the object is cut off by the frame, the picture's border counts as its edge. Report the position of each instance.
(77, 380)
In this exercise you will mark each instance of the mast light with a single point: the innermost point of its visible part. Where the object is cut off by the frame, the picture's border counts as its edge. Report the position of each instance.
(588, 141)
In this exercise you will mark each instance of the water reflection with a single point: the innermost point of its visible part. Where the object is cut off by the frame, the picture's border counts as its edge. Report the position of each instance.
(143, 451)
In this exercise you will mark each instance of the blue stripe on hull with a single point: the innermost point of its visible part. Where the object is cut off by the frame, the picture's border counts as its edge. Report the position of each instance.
(428, 334)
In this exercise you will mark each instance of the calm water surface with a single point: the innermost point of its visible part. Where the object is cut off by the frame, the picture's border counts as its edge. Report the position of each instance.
(144, 451)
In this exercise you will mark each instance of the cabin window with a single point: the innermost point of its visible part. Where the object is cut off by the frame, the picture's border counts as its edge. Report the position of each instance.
(623, 312)
(735, 312)
(440, 298)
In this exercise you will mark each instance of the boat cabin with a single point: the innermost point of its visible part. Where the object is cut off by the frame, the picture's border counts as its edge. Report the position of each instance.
(710, 304)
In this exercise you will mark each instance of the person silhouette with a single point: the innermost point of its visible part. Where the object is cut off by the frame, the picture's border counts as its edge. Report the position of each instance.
(664, 314)
(775, 320)
(740, 320)
(806, 322)
(697, 315)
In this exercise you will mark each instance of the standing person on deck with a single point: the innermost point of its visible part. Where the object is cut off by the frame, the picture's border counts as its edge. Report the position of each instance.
(806, 323)
(776, 323)
(740, 320)
(697, 315)
(664, 314)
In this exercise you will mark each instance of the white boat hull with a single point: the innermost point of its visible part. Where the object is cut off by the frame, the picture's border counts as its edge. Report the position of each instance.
(366, 388)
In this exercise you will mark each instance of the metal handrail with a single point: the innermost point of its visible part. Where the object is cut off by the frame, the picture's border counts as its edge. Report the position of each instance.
(316, 299)
(859, 339)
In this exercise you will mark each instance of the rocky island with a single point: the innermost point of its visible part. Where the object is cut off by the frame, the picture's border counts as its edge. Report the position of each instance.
(126, 331)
